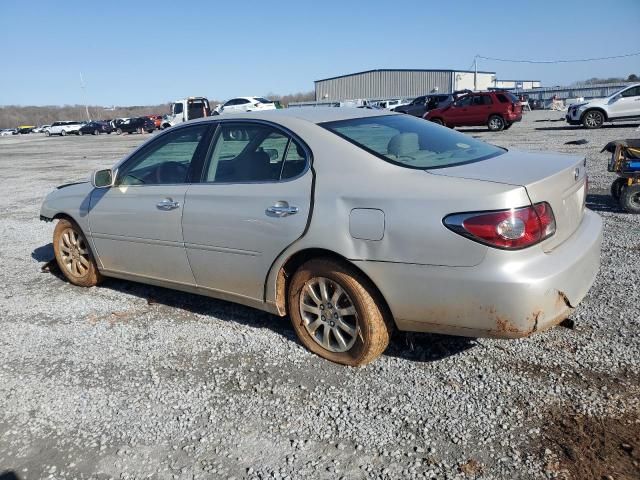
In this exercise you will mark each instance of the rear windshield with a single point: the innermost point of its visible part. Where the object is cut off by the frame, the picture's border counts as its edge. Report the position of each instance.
(412, 142)
(263, 100)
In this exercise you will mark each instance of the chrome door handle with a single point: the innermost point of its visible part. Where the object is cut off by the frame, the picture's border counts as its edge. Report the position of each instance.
(281, 209)
(168, 204)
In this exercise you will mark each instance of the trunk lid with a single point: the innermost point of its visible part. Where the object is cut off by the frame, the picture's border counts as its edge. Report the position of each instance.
(555, 178)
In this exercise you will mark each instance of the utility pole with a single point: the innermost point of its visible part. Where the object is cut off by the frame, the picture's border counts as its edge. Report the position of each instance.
(84, 94)
(475, 73)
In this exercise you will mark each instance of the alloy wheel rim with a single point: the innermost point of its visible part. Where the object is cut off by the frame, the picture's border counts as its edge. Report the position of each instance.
(496, 123)
(74, 253)
(593, 119)
(328, 314)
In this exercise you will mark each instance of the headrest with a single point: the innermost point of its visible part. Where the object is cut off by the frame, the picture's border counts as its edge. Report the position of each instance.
(403, 144)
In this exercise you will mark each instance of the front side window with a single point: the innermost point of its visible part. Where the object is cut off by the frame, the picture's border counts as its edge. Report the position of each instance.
(177, 108)
(411, 142)
(632, 92)
(164, 161)
(253, 153)
(464, 101)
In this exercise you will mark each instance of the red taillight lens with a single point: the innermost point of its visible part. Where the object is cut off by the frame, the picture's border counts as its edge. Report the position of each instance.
(508, 229)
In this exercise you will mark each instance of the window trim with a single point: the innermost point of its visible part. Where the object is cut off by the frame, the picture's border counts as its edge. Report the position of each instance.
(400, 164)
(291, 135)
(196, 160)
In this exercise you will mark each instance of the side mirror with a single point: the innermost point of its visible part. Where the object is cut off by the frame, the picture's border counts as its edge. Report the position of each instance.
(102, 178)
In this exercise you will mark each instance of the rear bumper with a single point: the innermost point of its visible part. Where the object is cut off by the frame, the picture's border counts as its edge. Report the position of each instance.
(513, 117)
(508, 295)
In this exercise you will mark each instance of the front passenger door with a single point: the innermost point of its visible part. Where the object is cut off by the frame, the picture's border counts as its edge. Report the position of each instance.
(253, 203)
(136, 224)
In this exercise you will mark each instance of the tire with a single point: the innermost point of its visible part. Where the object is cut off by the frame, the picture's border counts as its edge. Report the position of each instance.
(119, 131)
(80, 133)
(617, 186)
(74, 256)
(630, 198)
(592, 119)
(437, 121)
(365, 333)
(47, 133)
(96, 132)
(63, 133)
(495, 123)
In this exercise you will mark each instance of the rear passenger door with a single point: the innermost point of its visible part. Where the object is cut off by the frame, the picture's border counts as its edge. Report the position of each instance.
(253, 202)
(480, 109)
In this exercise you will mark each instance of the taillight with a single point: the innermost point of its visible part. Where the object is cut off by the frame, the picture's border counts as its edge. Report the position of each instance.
(507, 229)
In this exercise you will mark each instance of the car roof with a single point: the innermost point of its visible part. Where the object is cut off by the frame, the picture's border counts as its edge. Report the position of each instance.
(309, 114)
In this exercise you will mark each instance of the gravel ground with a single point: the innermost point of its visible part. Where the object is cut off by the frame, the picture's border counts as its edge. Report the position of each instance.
(131, 381)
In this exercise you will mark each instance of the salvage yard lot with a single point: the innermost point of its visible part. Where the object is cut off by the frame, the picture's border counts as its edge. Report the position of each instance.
(128, 381)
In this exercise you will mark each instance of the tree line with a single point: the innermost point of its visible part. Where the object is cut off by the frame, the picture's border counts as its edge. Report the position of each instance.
(12, 116)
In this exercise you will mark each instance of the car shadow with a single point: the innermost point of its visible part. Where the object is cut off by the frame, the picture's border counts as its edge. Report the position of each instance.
(473, 130)
(427, 347)
(603, 202)
(406, 345)
(9, 475)
(579, 127)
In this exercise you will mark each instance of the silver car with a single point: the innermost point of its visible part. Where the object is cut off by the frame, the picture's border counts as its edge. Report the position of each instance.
(352, 222)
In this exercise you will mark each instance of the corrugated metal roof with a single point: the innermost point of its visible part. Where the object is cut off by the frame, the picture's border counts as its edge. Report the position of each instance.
(402, 70)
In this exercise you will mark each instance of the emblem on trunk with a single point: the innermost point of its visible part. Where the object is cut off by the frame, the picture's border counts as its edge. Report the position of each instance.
(576, 173)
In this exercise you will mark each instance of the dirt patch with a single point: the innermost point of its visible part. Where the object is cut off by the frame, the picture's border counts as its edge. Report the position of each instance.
(592, 448)
(471, 468)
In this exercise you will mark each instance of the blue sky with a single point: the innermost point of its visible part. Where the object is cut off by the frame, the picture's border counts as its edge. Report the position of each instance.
(147, 52)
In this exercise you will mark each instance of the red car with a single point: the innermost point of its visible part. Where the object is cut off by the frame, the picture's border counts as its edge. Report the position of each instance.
(497, 110)
(157, 120)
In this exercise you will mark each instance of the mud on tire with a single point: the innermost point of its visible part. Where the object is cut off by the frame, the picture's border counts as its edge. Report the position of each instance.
(347, 288)
(74, 256)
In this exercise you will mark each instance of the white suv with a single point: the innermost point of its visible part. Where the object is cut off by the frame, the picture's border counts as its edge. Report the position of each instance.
(63, 128)
(623, 105)
(245, 104)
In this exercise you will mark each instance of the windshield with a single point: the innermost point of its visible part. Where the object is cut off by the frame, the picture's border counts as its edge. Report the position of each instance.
(618, 92)
(412, 142)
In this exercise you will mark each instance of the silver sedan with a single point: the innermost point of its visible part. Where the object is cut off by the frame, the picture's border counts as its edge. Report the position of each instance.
(351, 222)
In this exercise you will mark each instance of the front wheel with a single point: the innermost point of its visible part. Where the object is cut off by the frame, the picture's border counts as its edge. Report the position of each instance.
(630, 198)
(592, 119)
(496, 123)
(47, 133)
(63, 133)
(74, 256)
(337, 313)
(119, 131)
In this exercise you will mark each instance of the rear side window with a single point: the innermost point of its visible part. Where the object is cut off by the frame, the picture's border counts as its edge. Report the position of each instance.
(254, 153)
(411, 142)
(502, 98)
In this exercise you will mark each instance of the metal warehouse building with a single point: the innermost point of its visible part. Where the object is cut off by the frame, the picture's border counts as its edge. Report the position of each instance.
(387, 83)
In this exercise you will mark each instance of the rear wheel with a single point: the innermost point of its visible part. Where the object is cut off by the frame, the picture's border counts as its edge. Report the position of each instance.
(337, 313)
(437, 121)
(74, 256)
(63, 133)
(593, 119)
(496, 123)
(47, 133)
(630, 198)
(119, 131)
(617, 186)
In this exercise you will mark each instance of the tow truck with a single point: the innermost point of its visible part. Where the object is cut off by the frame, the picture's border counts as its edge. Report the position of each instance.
(186, 109)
